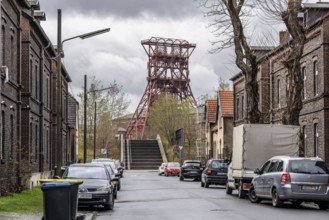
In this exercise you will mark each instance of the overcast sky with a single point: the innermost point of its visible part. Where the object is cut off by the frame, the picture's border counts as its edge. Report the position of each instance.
(118, 55)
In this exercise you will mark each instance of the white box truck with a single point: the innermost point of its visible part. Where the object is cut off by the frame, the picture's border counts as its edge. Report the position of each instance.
(253, 145)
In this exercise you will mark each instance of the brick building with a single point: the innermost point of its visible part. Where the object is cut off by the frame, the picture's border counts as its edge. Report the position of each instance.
(28, 98)
(273, 83)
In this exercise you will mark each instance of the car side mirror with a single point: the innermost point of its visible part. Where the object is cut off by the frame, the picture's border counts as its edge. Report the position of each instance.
(257, 171)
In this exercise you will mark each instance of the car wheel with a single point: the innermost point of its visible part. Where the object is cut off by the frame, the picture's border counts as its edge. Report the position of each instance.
(181, 178)
(110, 204)
(252, 196)
(276, 201)
(228, 190)
(323, 205)
(241, 192)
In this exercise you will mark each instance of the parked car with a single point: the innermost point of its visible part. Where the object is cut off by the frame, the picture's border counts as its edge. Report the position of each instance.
(172, 169)
(113, 165)
(293, 179)
(191, 169)
(119, 167)
(96, 188)
(215, 173)
(161, 169)
(115, 176)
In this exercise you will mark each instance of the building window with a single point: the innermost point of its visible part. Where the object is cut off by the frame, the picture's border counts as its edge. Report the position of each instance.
(305, 142)
(12, 54)
(237, 108)
(3, 136)
(36, 144)
(3, 42)
(47, 92)
(242, 106)
(36, 81)
(31, 76)
(12, 136)
(287, 83)
(316, 139)
(316, 78)
(278, 92)
(31, 142)
(304, 82)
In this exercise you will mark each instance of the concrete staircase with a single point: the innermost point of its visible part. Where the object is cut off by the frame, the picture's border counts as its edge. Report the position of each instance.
(145, 155)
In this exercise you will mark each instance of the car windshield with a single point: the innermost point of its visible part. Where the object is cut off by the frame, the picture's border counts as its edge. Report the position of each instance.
(196, 164)
(110, 163)
(86, 172)
(218, 164)
(173, 164)
(308, 166)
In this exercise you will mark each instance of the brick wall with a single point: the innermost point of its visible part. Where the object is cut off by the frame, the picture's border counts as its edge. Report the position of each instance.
(315, 110)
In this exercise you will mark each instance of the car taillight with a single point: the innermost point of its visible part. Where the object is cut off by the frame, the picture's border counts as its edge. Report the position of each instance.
(209, 171)
(285, 178)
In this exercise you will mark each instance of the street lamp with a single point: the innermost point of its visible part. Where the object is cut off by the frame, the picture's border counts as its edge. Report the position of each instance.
(59, 81)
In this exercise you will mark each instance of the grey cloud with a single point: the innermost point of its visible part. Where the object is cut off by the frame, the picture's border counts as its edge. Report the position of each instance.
(123, 8)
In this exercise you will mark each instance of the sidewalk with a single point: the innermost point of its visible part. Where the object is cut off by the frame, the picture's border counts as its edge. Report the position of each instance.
(11, 216)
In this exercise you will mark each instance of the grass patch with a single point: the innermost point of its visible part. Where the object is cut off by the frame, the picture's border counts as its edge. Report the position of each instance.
(28, 201)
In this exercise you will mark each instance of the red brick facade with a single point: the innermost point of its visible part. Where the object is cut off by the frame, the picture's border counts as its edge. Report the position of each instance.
(28, 98)
(272, 79)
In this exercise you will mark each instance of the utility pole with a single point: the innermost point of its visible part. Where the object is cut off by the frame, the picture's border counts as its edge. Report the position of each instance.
(85, 122)
(95, 130)
(59, 152)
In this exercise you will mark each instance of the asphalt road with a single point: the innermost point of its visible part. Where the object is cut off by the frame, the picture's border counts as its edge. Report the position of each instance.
(147, 196)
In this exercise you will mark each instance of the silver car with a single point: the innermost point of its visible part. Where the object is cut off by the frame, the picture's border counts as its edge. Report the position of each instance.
(293, 179)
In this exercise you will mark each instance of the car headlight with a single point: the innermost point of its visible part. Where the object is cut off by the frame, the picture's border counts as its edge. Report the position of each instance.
(104, 188)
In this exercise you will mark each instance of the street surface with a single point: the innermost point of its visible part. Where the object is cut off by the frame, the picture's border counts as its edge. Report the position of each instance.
(147, 196)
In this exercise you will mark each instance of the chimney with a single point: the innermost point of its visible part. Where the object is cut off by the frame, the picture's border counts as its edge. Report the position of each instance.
(284, 37)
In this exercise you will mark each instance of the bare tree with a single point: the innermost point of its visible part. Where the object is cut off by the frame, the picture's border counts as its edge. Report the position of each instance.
(223, 85)
(287, 11)
(111, 103)
(228, 19)
(168, 114)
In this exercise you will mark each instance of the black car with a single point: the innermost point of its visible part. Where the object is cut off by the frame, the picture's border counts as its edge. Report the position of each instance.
(115, 177)
(215, 173)
(191, 169)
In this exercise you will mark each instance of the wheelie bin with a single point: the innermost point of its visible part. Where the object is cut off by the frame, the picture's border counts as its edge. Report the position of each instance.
(73, 193)
(56, 200)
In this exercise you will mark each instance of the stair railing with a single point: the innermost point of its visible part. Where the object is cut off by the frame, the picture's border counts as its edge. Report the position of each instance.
(162, 151)
(128, 154)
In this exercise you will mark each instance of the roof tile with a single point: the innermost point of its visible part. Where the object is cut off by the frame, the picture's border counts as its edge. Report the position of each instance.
(212, 110)
(226, 103)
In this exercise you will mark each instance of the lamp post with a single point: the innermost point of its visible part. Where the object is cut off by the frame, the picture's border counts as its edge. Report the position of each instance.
(60, 54)
(85, 120)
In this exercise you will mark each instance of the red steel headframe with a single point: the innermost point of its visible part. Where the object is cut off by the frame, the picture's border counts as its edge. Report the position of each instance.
(168, 70)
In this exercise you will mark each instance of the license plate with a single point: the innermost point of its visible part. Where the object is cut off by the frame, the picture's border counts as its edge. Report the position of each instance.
(306, 187)
(85, 196)
(193, 172)
(246, 186)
